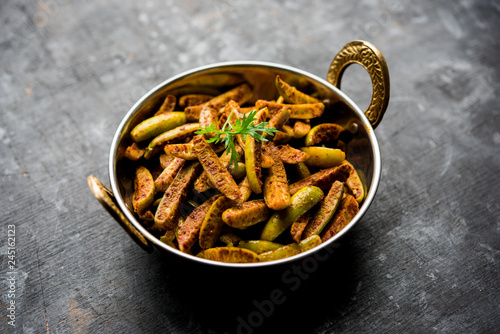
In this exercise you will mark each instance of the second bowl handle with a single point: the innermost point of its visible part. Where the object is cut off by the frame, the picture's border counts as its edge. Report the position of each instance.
(106, 198)
(368, 56)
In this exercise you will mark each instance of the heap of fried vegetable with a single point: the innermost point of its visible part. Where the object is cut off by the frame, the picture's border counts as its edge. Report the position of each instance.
(266, 186)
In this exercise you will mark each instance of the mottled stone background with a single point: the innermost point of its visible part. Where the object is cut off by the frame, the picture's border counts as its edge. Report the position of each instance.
(426, 256)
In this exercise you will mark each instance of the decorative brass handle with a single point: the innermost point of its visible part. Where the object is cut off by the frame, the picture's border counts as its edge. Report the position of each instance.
(107, 199)
(368, 56)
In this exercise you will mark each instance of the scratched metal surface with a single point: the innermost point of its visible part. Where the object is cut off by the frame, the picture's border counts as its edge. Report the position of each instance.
(425, 258)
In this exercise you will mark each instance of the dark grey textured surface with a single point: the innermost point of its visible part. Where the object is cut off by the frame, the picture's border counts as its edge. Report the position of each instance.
(426, 256)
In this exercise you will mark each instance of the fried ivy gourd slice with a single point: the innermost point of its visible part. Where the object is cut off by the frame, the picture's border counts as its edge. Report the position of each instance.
(229, 254)
(253, 163)
(323, 132)
(144, 189)
(166, 177)
(290, 249)
(239, 94)
(323, 157)
(327, 208)
(166, 137)
(189, 231)
(168, 209)
(348, 208)
(276, 193)
(291, 94)
(297, 111)
(216, 172)
(301, 202)
(259, 246)
(212, 222)
(246, 214)
(158, 124)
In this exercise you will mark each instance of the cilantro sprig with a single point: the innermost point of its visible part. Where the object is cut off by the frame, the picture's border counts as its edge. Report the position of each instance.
(243, 126)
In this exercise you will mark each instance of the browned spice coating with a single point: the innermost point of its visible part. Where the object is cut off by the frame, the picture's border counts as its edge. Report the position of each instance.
(143, 189)
(212, 223)
(247, 214)
(229, 254)
(253, 161)
(167, 211)
(168, 105)
(299, 226)
(166, 177)
(165, 160)
(216, 172)
(190, 100)
(301, 128)
(322, 179)
(291, 155)
(134, 152)
(239, 94)
(203, 182)
(209, 116)
(245, 189)
(346, 211)
(276, 193)
(298, 111)
(184, 151)
(190, 229)
(323, 132)
(326, 210)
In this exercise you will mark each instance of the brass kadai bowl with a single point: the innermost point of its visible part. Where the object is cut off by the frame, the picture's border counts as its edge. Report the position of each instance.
(362, 151)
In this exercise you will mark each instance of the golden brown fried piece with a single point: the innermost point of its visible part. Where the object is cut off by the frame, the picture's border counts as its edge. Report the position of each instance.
(134, 152)
(165, 160)
(190, 100)
(322, 179)
(327, 208)
(229, 254)
(209, 116)
(183, 151)
(299, 226)
(212, 223)
(189, 231)
(166, 177)
(267, 161)
(168, 209)
(203, 182)
(239, 95)
(284, 135)
(298, 111)
(290, 155)
(291, 94)
(278, 120)
(276, 192)
(245, 189)
(157, 125)
(170, 136)
(247, 214)
(253, 163)
(354, 183)
(346, 211)
(216, 172)
(301, 128)
(168, 105)
(144, 189)
(323, 132)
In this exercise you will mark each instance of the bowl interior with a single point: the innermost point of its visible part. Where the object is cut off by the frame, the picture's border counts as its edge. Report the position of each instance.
(361, 150)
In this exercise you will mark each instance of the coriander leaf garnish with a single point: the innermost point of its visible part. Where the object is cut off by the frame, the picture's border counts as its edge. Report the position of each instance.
(243, 126)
